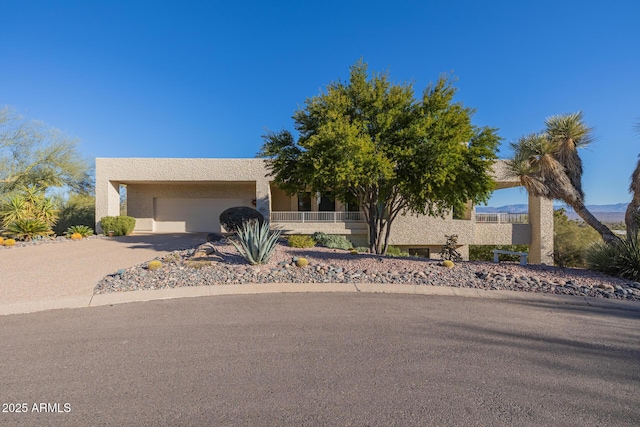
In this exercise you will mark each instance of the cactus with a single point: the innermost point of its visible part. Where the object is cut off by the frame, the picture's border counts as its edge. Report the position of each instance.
(154, 265)
(448, 263)
(1, 241)
(76, 236)
(9, 242)
(302, 262)
(353, 252)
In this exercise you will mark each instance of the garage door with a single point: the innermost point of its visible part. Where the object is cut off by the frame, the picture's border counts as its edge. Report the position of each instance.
(179, 215)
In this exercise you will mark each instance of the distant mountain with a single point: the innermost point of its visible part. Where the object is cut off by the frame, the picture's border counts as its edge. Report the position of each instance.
(605, 213)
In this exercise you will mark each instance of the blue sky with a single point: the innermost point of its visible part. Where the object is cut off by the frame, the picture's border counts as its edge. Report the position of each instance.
(206, 79)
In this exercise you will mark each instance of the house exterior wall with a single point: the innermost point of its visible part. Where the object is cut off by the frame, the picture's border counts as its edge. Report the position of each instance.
(248, 179)
(140, 197)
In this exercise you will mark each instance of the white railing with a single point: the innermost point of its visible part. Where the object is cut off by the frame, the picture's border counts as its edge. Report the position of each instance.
(503, 218)
(317, 217)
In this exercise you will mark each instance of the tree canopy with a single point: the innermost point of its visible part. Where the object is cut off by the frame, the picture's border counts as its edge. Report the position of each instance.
(34, 154)
(371, 141)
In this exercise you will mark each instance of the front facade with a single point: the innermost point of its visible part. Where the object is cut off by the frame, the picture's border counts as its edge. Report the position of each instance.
(188, 195)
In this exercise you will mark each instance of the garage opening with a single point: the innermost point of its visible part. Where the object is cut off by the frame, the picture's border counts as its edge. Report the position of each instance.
(190, 215)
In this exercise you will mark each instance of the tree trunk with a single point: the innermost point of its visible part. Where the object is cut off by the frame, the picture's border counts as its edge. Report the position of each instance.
(605, 232)
(631, 217)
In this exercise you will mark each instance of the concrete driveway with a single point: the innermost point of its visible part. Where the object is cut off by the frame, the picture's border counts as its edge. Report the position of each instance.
(63, 275)
(324, 359)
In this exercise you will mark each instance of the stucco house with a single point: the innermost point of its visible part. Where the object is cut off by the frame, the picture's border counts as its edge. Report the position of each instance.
(187, 195)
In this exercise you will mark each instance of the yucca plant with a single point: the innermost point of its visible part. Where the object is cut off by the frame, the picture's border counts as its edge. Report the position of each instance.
(27, 229)
(620, 258)
(256, 242)
(83, 230)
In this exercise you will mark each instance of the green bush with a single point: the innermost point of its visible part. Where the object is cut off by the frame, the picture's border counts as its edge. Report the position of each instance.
(82, 230)
(571, 240)
(362, 249)
(395, 251)
(620, 258)
(483, 252)
(256, 242)
(333, 241)
(301, 241)
(120, 225)
(78, 210)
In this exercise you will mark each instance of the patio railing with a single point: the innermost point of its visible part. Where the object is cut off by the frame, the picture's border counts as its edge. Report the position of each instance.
(503, 218)
(317, 217)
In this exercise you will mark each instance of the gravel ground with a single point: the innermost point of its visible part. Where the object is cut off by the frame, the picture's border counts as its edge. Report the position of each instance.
(47, 241)
(219, 264)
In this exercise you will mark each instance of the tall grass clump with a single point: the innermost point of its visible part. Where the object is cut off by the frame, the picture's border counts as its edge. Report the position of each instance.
(256, 243)
(618, 258)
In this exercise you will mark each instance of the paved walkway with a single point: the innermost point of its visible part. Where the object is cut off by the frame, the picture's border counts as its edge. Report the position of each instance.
(64, 275)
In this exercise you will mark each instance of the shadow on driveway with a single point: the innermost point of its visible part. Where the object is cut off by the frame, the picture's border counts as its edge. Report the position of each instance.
(163, 242)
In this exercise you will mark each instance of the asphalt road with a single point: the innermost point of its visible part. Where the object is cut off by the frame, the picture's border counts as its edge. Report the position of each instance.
(322, 359)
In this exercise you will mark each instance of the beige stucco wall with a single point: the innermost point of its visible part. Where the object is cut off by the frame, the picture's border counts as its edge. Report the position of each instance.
(502, 234)
(423, 230)
(140, 197)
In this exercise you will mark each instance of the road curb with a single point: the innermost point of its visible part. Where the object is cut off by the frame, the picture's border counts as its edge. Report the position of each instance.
(114, 298)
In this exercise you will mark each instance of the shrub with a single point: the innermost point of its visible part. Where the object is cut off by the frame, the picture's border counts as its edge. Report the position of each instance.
(483, 252)
(27, 229)
(362, 249)
(449, 251)
(395, 251)
(9, 242)
(120, 225)
(448, 263)
(154, 265)
(302, 262)
(28, 202)
(232, 219)
(256, 242)
(571, 240)
(333, 241)
(78, 210)
(82, 230)
(621, 258)
(301, 241)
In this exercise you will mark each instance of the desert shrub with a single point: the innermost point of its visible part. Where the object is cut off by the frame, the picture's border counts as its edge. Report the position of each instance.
(395, 251)
(120, 225)
(78, 210)
(28, 203)
(82, 230)
(620, 258)
(483, 252)
(571, 240)
(28, 228)
(232, 219)
(362, 249)
(302, 262)
(154, 265)
(301, 241)
(9, 242)
(256, 242)
(449, 251)
(333, 241)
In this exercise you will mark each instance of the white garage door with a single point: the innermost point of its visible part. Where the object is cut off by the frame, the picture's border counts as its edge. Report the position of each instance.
(177, 215)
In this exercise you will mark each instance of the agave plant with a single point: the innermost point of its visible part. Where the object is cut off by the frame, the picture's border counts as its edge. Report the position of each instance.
(83, 230)
(29, 228)
(256, 242)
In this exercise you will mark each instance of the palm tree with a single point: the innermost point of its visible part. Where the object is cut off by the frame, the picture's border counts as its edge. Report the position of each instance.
(632, 214)
(548, 165)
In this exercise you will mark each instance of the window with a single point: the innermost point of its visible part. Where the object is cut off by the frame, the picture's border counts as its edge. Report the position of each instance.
(419, 252)
(304, 201)
(327, 203)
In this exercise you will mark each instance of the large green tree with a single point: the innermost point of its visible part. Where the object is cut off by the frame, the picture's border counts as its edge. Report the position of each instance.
(32, 154)
(371, 141)
(548, 165)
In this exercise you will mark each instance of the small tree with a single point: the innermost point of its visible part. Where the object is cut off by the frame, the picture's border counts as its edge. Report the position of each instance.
(370, 140)
(33, 154)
